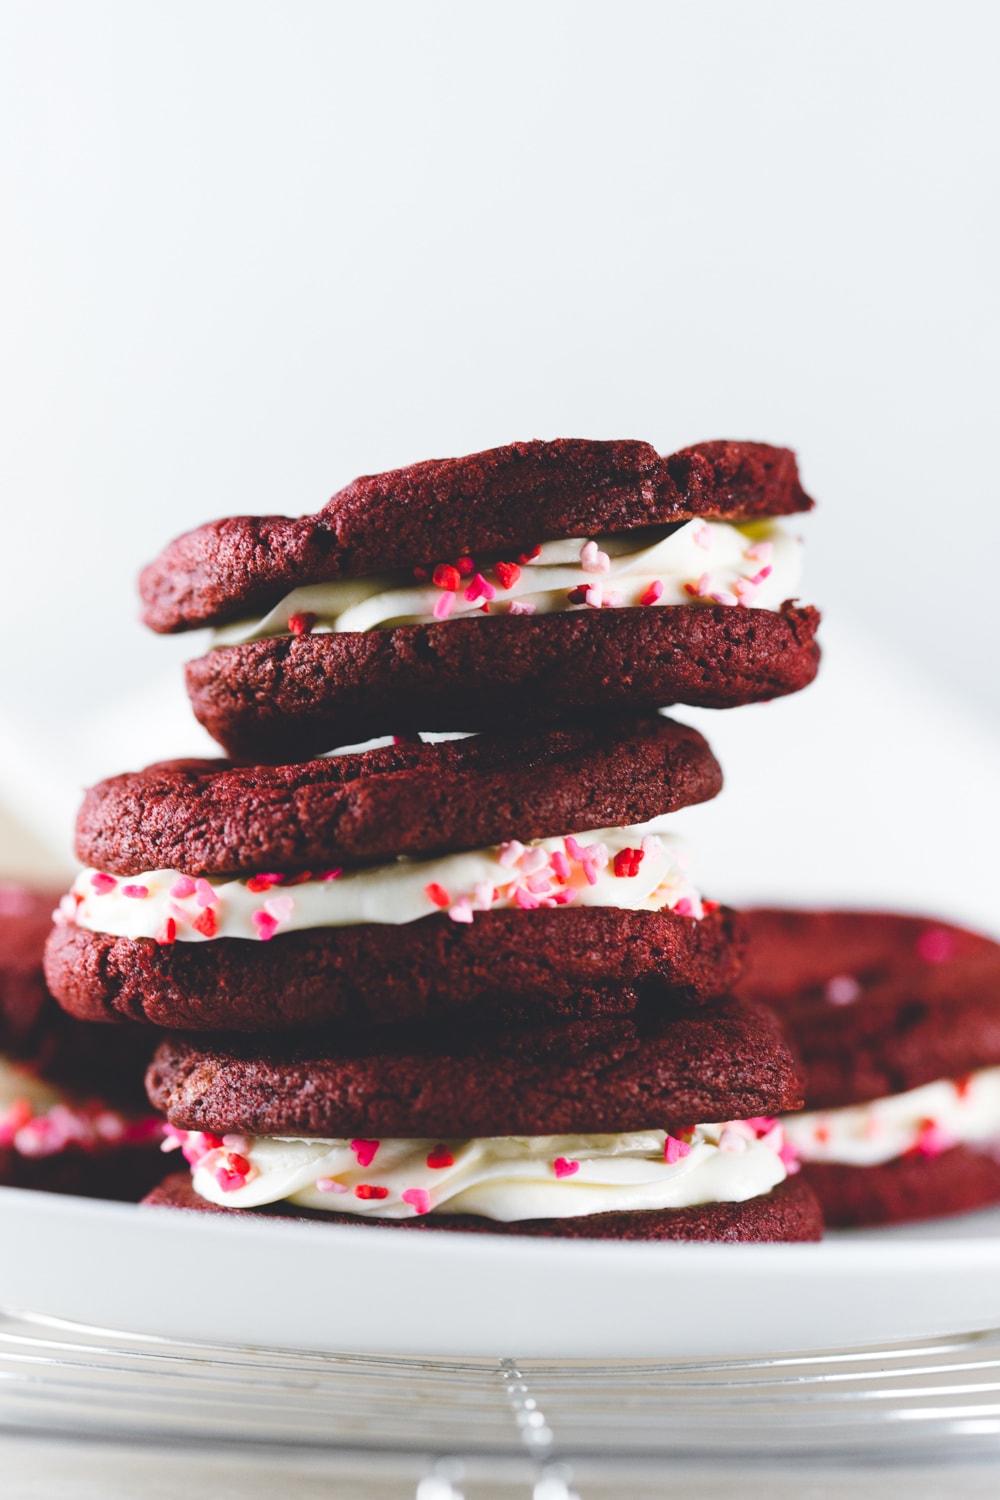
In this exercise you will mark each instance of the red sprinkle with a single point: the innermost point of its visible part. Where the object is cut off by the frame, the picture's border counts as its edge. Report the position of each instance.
(167, 931)
(366, 1190)
(466, 566)
(710, 906)
(205, 923)
(527, 557)
(578, 595)
(654, 592)
(421, 575)
(447, 577)
(936, 945)
(258, 883)
(440, 1157)
(301, 624)
(302, 878)
(437, 894)
(627, 862)
(963, 1085)
(508, 573)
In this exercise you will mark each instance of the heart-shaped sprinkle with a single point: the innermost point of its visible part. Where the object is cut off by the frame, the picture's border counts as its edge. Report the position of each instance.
(440, 1157)
(419, 1198)
(365, 1151)
(562, 1167)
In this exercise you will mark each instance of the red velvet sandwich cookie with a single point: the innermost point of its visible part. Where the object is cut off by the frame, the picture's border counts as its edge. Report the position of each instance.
(228, 931)
(896, 1020)
(529, 582)
(583, 1129)
(73, 1113)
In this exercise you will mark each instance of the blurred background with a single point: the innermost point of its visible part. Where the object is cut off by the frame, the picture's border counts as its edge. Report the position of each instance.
(250, 251)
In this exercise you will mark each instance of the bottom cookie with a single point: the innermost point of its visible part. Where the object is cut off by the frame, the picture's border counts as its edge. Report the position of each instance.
(789, 1212)
(909, 1187)
(124, 1175)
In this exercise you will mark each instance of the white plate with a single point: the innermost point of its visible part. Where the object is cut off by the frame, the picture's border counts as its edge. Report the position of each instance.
(181, 1276)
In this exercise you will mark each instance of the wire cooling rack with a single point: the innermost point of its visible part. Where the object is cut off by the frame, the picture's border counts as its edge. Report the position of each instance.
(932, 1401)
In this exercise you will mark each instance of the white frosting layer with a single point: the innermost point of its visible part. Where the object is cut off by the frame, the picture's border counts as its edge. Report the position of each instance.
(396, 893)
(704, 562)
(930, 1119)
(506, 1178)
(17, 1084)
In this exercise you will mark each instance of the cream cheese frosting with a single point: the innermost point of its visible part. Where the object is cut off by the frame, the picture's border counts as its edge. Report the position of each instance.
(38, 1119)
(637, 869)
(929, 1120)
(699, 562)
(507, 1178)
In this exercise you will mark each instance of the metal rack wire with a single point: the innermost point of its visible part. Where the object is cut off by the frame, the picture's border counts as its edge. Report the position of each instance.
(929, 1401)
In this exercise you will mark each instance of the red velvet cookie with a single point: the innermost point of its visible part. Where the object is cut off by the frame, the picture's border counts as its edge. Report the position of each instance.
(876, 1005)
(669, 1066)
(788, 1213)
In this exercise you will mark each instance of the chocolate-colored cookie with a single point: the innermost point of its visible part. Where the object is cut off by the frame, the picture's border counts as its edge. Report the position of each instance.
(38, 1035)
(876, 1003)
(123, 1174)
(565, 961)
(209, 818)
(510, 497)
(910, 1187)
(287, 697)
(789, 1212)
(672, 1067)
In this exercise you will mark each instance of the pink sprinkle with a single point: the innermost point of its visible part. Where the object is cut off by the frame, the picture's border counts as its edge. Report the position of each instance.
(702, 537)
(365, 1151)
(443, 606)
(235, 1143)
(842, 989)
(480, 589)
(758, 578)
(592, 559)
(561, 898)
(733, 1139)
(280, 907)
(745, 590)
(534, 860)
(525, 900)
(704, 585)
(684, 907)
(182, 886)
(229, 1180)
(331, 1185)
(418, 1198)
(560, 865)
(651, 844)
(760, 551)
(331, 875)
(933, 1141)
(594, 595)
(461, 911)
(137, 892)
(103, 883)
(936, 945)
(65, 913)
(723, 596)
(590, 871)
(674, 1150)
(484, 894)
(613, 599)
(786, 1155)
(539, 885)
(654, 592)
(521, 607)
(562, 1167)
(510, 853)
(205, 894)
(265, 924)
(573, 848)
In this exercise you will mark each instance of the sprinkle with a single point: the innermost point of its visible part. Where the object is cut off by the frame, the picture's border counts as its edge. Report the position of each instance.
(674, 1150)
(684, 907)
(65, 913)
(508, 573)
(205, 894)
(137, 892)
(444, 605)
(533, 860)
(331, 1185)
(479, 589)
(573, 849)
(206, 923)
(280, 907)
(256, 883)
(733, 1139)
(529, 557)
(627, 862)
(437, 894)
(560, 898)
(465, 566)
(562, 1167)
(594, 595)
(758, 578)
(419, 1198)
(842, 989)
(421, 575)
(723, 596)
(235, 1142)
(167, 931)
(440, 1157)
(613, 599)
(228, 1180)
(366, 1190)
(183, 886)
(301, 624)
(963, 1085)
(331, 874)
(265, 924)
(821, 1134)
(539, 885)
(365, 1151)
(789, 1159)
(760, 552)
(302, 878)
(936, 945)
(484, 894)
(651, 844)
(654, 592)
(509, 854)
(709, 906)
(745, 590)
(592, 559)
(103, 883)
(447, 577)
(702, 537)
(561, 866)
(577, 595)
(703, 585)
(485, 609)
(461, 911)
(521, 607)
(525, 900)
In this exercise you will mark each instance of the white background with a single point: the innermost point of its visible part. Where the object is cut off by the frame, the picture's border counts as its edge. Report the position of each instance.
(249, 251)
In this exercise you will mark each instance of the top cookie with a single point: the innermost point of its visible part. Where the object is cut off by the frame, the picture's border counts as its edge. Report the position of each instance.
(506, 498)
(876, 1003)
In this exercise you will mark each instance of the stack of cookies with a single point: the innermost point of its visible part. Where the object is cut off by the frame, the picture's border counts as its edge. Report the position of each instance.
(467, 984)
